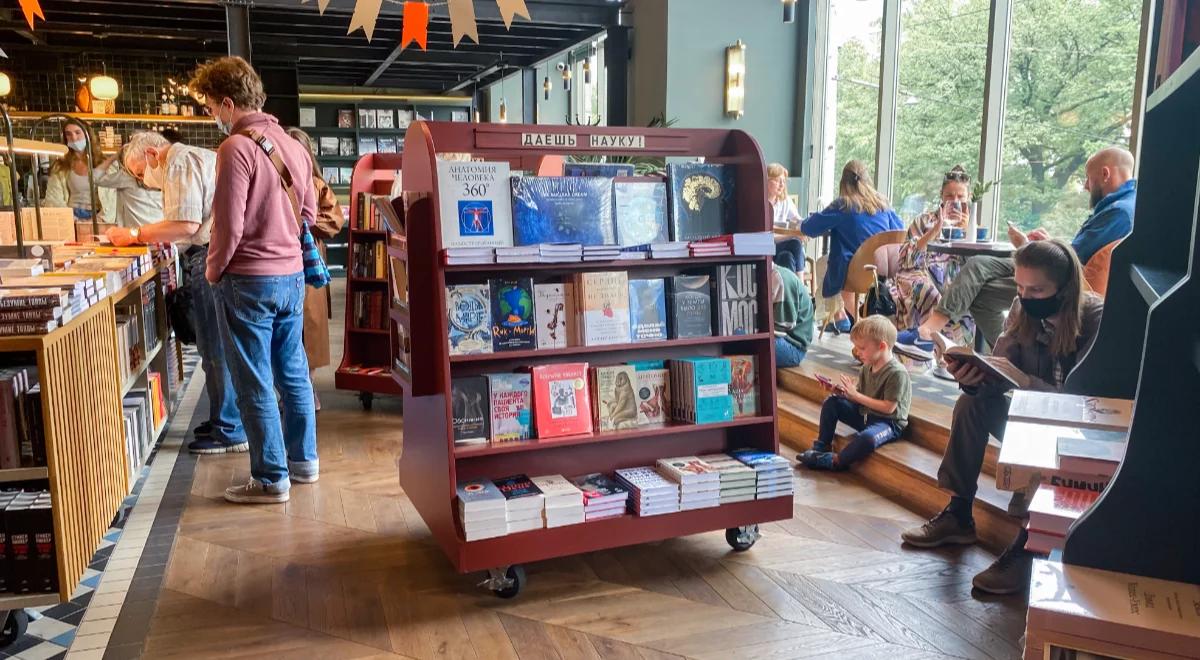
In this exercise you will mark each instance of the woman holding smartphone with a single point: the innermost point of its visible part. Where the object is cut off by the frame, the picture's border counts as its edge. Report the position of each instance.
(923, 275)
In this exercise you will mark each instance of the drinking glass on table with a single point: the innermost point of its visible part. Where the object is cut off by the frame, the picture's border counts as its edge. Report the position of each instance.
(955, 215)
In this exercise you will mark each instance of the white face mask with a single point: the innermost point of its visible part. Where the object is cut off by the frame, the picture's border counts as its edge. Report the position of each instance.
(152, 176)
(225, 128)
(78, 145)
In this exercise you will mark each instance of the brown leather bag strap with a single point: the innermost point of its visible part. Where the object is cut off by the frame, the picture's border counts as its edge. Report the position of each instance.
(285, 175)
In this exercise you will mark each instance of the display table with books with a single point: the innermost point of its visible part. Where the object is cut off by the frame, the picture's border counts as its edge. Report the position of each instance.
(596, 367)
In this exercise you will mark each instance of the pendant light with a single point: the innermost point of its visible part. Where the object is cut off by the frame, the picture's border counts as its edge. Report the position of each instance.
(503, 103)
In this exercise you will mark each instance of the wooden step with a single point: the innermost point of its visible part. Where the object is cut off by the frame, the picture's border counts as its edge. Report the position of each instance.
(928, 422)
(902, 471)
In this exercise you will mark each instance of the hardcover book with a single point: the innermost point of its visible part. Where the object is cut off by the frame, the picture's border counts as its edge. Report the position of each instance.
(736, 299)
(1053, 508)
(510, 414)
(475, 204)
(513, 326)
(367, 145)
(690, 306)
(707, 390)
(600, 489)
(346, 146)
(702, 200)
(345, 119)
(603, 307)
(366, 118)
(648, 310)
(520, 493)
(743, 385)
(653, 400)
(1092, 452)
(1029, 457)
(609, 170)
(385, 119)
(469, 318)
(330, 174)
(552, 209)
(561, 400)
(469, 404)
(478, 497)
(552, 314)
(647, 483)
(640, 212)
(558, 491)
(688, 471)
(615, 407)
(1071, 410)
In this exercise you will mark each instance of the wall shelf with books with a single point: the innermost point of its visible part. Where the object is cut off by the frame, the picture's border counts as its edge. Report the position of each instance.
(642, 326)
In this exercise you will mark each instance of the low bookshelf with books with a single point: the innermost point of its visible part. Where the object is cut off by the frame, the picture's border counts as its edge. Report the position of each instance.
(573, 392)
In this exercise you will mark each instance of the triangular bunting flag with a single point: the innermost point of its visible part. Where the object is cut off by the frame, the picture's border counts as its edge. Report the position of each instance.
(322, 5)
(416, 24)
(366, 12)
(462, 21)
(32, 8)
(510, 8)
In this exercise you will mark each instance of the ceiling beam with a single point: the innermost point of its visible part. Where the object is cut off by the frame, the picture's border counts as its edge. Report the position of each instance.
(597, 13)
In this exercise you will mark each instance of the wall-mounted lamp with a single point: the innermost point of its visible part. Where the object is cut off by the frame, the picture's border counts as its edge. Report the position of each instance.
(546, 86)
(98, 94)
(735, 80)
(565, 70)
(789, 11)
(5, 85)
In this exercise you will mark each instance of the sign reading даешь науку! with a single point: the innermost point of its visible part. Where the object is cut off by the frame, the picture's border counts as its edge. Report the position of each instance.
(571, 140)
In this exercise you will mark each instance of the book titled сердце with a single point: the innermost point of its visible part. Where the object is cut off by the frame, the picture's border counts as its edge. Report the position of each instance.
(602, 301)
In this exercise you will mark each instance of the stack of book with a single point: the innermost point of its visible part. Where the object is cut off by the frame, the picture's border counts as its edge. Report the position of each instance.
(1051, 512)
(603, 497)
(10, 268)
(773, 473)
(540, 253)
(468, 255)
(652, 494)
(673, 250)
(22, 442)
(709, 248)
(699, 482)
(738, 480)
(564, 501)
(759, 243)
(33, 311)
(700, 390)
(30, 557)
(524, 503)
(601, 252)
(482, 509)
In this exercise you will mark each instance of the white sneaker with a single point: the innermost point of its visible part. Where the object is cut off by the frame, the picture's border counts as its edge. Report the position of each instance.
(254, 492)
(940, 372)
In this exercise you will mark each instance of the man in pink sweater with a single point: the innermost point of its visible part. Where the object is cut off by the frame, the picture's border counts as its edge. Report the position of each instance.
(255, 265)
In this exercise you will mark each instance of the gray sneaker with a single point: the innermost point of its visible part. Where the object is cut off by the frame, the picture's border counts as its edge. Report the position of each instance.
(1009, 574)
(943, 529)
(254, 492)
(304, 478)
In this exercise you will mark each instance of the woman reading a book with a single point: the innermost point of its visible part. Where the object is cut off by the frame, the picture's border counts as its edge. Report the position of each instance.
(1050, 326)
(857, 214)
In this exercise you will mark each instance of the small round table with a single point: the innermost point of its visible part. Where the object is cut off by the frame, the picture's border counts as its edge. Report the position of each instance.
(963, 249)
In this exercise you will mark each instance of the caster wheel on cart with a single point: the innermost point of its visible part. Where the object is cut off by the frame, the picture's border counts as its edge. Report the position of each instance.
(366, 398)
(742, 539)
(14, 626)
(506, 584)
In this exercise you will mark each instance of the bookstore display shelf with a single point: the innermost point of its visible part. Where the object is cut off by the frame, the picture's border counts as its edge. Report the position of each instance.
(23, 474)
(137, 373)
(539, 444)
(631, 264)
(609, 348)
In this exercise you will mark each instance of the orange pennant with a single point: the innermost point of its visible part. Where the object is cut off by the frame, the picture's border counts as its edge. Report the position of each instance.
(416, 24)
(510, 8)
(32, 8)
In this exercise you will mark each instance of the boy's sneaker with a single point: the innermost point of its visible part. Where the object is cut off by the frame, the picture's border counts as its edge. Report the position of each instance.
(817, 460)
(254, 492)
(203, 431)
(211, 445)
(909, 342)
(819, 446)
(840, 327)
(942, 529)
(1009, 574)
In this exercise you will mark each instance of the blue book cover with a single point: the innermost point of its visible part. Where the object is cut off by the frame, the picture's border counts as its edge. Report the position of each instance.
(609, 170)
(702, 200)
(648, 310)
(553, 209)
(513, 327)
(710, 389)
(640, 212)
(469, 317)
(646, 365)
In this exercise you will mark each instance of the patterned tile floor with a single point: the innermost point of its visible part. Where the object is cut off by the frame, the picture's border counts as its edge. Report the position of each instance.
(52, 629)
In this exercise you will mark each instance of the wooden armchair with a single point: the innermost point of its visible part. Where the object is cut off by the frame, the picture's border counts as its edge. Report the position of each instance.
(878, 255)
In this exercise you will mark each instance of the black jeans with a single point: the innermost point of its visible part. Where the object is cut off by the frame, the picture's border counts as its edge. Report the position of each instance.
(873, 432)
(976, 416)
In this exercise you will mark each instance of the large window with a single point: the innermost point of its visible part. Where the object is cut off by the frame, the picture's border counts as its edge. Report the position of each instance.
(939, 109)
(1070, 92)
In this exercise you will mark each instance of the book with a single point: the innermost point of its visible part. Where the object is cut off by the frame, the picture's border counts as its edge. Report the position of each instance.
(743, 385)
(561, 400)
(474, 204)
(404, 118)
(702, 200)
(648, 310)
(1091, 412)
(735, 299)
(600, 490)
(562, 210)
(1029, 457)
(1043, 543)
(35, 297)
(1095, 452)
(385, 118)
(640, 212)
(366, 118)
(469, 316)
(615, 403)
(995, 368)
(345, 119)
(558, 491)
(308, 116)
(520, 493)
(645, 481)
(1053, 508)
(603, 308)
(513, 327)
(328, 146)
(386, 145)
(345, 175)
(653, 399)
(609, 170)
(469, 404)
(552, 314)
(330, 174)
(705, 387)
(688, 471)
(479, 497)
(690, 306)
(367, 145)
(346, 147)
(510, 415)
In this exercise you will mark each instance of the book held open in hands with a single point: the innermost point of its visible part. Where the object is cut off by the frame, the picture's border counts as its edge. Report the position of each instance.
(996, 368)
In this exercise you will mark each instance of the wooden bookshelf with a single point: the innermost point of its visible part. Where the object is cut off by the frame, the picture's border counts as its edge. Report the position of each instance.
(431, 465)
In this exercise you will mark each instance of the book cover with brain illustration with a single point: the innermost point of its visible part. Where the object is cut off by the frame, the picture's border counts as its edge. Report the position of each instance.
(702, 200)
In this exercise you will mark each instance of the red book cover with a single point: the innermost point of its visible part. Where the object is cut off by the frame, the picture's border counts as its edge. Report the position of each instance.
(561, 401)
(1054, 508)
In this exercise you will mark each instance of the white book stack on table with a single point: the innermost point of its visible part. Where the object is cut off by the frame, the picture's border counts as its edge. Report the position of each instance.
(482, 510)
(652, 494)
(564, 502)
(773, 472)
(699, 483)
(738, 480)
(603, 496)
(462, 256)
(525, 503)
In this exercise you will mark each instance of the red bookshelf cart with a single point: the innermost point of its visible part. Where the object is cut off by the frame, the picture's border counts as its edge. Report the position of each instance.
(367, 353)
(431, 465)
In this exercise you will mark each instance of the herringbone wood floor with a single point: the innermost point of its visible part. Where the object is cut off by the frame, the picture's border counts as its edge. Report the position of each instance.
(347, 570)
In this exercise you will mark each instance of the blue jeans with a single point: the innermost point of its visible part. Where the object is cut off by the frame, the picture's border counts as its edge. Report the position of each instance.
(262, 322)
(873, 432)
(787, 354)
(222, 401)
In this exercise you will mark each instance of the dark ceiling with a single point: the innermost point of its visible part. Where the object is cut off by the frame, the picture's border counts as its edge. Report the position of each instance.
(294, 31)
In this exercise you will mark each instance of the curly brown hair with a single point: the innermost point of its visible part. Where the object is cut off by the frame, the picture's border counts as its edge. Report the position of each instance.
(232, 78)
